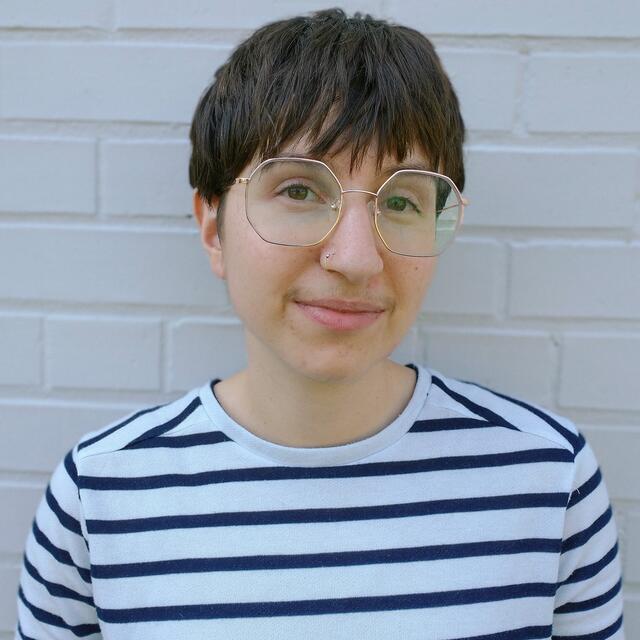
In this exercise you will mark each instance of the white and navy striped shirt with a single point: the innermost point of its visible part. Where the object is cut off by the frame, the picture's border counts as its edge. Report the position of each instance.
(471, 515)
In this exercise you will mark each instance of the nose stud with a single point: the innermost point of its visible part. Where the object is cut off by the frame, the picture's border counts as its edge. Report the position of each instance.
(327, 256)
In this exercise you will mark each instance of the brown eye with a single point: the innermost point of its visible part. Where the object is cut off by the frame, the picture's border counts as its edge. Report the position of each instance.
(298, 192)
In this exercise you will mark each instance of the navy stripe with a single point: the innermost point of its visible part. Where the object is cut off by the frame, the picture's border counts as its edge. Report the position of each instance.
(328, 605)
(580, 538)
(596, 635)
(110, 483)
(62, 556)
(590, 570)
(449, 424)
(115, 428)
(487, 414)
(54, 588)
(333, 559)
(524, 633)
(592, 603)
(586, 488)
(180, 442)
(576, 441)
(166, 426)
(341, 514)
(70, 466)
(80, 630)
(67, 521)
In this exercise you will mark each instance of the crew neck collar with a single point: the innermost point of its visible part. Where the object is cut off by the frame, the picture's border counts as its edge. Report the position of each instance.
(318, 456)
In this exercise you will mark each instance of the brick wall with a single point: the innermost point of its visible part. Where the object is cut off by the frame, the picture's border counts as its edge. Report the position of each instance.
(106, 298)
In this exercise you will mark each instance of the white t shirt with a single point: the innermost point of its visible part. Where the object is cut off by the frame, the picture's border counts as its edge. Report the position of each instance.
(471, 515)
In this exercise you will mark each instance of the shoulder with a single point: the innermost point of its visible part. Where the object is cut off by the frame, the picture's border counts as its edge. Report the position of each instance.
(142, 425)
(473, 400)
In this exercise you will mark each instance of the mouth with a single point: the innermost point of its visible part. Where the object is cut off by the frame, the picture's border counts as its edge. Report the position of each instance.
(340, 319)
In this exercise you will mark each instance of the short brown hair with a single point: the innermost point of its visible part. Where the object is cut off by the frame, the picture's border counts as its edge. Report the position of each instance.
(379, 82)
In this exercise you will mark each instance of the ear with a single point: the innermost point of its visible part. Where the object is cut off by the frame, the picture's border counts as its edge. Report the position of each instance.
(206, 216)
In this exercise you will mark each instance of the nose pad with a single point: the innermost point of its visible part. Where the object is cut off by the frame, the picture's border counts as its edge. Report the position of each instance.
(371, 202)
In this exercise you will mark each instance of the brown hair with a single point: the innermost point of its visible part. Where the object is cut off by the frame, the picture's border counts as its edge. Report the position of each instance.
(336, 79)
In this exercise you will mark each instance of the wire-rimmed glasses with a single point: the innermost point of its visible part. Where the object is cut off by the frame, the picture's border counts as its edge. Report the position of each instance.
(297, 202)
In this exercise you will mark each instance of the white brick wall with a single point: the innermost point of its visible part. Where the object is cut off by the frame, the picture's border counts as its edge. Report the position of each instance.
(35, 164)
(510, 190)
(583, 93)
(101, 265)
(139, 178)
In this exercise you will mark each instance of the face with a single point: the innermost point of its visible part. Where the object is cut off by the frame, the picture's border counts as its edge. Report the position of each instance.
(269, 284)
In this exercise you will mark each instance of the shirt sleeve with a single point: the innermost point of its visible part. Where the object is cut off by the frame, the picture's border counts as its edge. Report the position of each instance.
(588, 601)
(55, 596)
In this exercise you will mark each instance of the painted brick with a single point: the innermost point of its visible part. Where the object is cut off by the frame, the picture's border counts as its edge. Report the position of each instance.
(572, 18)
(468, 279)
(44, 14)
(632, 615)
(600, 371)
(490, 17)
(568, 279)
(194, 14)
(43, 432)
(201, 351)
(517, 363)
(485, 103)
(550, 188)
(18, 503)
(9, 577)
(111, 81)
(20, 346)
(107, 266)
(149, 178)
(91, 353)
(583, 93)
(632, 564)
(47, 175)
(617, 449)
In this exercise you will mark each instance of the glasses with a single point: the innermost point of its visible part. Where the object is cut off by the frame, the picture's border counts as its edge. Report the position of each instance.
(297, 203)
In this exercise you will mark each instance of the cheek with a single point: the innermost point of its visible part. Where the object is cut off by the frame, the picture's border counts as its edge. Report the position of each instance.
(260, 278)
(414, 281)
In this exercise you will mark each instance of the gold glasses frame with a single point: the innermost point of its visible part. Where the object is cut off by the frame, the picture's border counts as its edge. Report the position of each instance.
(462, 202)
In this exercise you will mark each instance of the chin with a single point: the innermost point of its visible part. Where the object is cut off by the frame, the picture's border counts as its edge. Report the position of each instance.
(334, 366)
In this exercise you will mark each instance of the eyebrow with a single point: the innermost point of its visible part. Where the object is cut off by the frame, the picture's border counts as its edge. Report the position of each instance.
(387, 171)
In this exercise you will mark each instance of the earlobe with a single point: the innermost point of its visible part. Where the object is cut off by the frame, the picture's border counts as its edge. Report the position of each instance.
(206, 217)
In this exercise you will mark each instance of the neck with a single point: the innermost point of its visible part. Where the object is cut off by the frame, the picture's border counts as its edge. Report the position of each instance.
(277, 403)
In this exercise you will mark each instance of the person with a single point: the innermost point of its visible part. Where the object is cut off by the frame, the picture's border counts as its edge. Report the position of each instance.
(326, 491)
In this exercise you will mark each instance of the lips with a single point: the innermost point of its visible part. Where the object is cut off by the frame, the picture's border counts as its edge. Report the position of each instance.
(343, 318)
(343, 306)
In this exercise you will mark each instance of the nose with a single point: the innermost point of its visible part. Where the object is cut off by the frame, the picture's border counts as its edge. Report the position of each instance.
(354, 241)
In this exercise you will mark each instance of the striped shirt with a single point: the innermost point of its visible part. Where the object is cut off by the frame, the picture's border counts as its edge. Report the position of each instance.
(472, 515)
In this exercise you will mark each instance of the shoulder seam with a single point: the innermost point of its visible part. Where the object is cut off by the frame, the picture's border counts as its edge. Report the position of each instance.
(166, 424)
(570, 442)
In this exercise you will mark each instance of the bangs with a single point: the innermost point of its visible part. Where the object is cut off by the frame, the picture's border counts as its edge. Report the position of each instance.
(350, 87)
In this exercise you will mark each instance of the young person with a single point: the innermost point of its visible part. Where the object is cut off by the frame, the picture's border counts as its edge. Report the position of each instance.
(326, 491)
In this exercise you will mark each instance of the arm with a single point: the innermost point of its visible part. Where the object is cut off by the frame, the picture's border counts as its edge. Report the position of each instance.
(55, 592)
(588, 602)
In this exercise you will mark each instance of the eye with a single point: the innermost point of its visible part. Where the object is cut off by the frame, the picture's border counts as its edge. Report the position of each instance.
(400, 203)
(300, 192)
